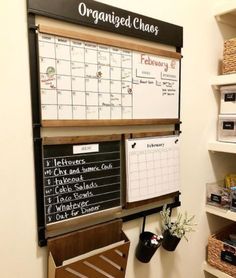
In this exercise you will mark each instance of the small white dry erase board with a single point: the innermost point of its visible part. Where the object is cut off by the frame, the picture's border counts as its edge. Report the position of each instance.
(152, 167)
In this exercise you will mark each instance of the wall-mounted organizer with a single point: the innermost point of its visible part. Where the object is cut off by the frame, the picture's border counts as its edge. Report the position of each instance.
(94, 65)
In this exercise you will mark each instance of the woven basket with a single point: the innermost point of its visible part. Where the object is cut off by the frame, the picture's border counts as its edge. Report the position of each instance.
(229, 56)
(215, 248)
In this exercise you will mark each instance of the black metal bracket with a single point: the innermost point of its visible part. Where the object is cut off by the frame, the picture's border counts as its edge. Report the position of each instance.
(42, 241)
(171, 206)
(36, 126)
(32, 26)
(177, 128)
(145, 213)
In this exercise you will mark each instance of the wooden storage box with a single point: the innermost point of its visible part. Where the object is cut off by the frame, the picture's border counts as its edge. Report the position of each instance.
(100, 251)
(222, 255)
(229, 56)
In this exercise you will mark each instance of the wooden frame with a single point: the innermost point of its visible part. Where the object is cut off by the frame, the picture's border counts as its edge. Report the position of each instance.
(80, 139)
(106, 41)
(112, 204)
(91, 123)
(109, 42)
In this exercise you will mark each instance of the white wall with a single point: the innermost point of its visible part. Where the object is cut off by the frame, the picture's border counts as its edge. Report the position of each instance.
(20, 256)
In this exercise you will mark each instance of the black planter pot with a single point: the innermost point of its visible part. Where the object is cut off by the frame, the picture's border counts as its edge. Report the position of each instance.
(170, 242)
(144, 250)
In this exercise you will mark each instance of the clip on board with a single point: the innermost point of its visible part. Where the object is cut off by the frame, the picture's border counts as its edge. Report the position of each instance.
(81, 177)
(152, 168)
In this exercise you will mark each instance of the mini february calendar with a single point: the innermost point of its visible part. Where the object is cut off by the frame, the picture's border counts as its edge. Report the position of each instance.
(152, 167)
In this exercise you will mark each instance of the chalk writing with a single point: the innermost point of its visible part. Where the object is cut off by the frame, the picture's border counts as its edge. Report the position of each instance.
(78, 184)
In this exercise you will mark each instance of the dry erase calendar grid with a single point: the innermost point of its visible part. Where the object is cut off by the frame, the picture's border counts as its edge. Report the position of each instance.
(152, 172)
(81, 80)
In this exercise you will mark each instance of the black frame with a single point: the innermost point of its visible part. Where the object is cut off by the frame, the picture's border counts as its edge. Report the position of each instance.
(65, 10)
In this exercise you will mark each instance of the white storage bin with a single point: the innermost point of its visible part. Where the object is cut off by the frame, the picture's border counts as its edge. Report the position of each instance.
(228, 100)
(227, 128)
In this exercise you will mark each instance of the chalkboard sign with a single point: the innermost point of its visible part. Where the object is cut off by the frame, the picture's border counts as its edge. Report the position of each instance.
(80, 179)
(93, 79)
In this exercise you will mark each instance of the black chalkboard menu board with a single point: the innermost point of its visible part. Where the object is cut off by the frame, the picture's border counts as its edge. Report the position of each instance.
(80, 179)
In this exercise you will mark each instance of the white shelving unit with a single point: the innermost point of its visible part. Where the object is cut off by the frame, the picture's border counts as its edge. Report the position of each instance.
(224, 14)
(216, 272)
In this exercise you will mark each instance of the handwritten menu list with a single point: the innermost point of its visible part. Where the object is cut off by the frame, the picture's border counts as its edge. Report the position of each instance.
(80, 179)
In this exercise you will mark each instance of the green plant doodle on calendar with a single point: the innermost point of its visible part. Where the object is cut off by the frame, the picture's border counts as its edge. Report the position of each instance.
(51, 71)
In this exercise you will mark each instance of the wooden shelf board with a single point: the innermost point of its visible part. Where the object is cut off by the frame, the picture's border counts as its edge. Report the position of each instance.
(214, 271)
(227, 214)
(222, 147)
(226, 79)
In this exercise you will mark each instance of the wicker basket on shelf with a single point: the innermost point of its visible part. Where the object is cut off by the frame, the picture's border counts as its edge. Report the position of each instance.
(229, 56)
(220, 254)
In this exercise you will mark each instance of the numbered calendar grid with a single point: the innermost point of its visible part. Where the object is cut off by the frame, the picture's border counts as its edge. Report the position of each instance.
(153, 173)
(80, 80)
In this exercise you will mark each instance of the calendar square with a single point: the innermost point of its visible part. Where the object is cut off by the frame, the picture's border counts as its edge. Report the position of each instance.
(115, 113)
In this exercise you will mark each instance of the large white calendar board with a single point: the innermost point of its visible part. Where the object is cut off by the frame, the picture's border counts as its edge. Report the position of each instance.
(152, 167)
(81, 80)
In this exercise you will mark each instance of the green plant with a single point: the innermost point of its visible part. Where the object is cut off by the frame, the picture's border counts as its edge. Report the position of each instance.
(180, 227)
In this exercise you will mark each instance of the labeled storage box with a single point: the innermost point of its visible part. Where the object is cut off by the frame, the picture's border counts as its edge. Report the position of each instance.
(218, 195)
(98, 251)
(229, 56)
(228, 100)
(227, 128)
(233, 199)
(222, 252)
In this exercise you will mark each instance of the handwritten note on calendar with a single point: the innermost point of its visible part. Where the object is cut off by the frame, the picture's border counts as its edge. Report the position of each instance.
(152, 167)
